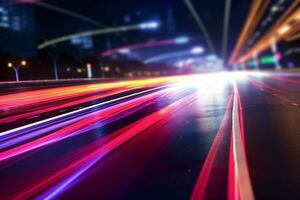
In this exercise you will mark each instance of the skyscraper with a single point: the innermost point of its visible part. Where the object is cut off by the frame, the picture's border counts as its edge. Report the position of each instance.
(17, 29)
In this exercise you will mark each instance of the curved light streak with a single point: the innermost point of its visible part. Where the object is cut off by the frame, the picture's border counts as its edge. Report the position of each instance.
(88, 33)
(64, 11)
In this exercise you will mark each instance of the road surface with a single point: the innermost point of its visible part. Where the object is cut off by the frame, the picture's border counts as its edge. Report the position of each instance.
(209, 136)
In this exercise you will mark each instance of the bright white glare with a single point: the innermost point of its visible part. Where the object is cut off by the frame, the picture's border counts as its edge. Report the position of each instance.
(211, 79)
(238, 76)
(258, 74)
(197, 50)
(124, 51)
(181, 40)
(220, 79)
(149, 25)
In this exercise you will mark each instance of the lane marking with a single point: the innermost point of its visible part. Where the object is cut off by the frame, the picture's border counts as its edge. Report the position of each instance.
(199, 191)
(242, 183)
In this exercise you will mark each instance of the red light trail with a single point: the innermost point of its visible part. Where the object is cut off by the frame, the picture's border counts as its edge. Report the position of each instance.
(72, 144)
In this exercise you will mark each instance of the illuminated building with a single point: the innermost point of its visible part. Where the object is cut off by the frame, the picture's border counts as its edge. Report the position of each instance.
(17, 29)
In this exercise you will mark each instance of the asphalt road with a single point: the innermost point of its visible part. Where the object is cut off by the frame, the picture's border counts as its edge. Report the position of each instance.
(209, 136)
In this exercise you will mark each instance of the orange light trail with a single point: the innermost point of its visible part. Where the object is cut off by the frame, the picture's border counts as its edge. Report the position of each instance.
(288, 24)
(257, 9)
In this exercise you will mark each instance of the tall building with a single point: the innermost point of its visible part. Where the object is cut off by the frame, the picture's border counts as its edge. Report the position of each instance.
(17, 29)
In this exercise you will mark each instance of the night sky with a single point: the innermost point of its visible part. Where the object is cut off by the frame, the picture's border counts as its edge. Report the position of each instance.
(50, 24)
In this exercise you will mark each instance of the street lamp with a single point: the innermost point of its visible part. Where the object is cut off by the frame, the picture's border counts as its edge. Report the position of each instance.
(104, 69)
(23, 63)
(17, 67)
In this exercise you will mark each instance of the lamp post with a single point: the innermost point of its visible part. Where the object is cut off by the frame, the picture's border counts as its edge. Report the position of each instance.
(103, 70)
(55, 66)
(17, 67)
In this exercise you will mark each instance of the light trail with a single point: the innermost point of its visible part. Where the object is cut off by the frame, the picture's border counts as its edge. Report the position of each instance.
(171, 93)
(22, 99)
(92, 33)
(255, 14)
(144, 132)
(74, 171)
(63, 11)
(145, 45)
(26, 101)
(285, 26)
(201, 25)
(27, 134)
(61, 106)
(240, 184)
(70, 13)
(274, 91)
(72, 126)
(137, 46)
(167, 56)
(291, 81)
(23, 128)
(226, 25)
(200, 188)
(73, 129)
(293, 37)
(262, 86)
